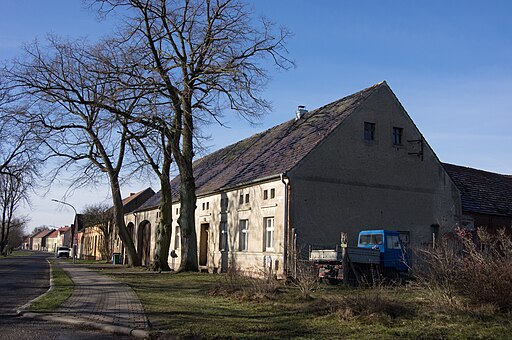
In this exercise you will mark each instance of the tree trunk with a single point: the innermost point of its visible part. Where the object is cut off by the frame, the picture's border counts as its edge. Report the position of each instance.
(187, 224)
(189, 261)
(133, 257)
(163, 232)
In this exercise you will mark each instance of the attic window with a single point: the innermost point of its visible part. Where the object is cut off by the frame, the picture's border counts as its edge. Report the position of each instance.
(272, 193)
(246, 198)
(397, 135)
(265, 194)
(241, 201)
(369, 131)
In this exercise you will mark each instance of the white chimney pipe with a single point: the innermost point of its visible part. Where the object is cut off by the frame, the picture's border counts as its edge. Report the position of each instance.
(301, 110)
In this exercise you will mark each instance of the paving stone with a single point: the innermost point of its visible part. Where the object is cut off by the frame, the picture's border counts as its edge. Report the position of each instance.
(97, 298)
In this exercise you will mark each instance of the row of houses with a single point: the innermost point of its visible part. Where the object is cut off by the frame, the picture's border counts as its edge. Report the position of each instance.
(48, 239)
(357, 163)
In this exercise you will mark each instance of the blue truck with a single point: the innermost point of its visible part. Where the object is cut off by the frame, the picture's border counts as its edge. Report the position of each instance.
(379, 254)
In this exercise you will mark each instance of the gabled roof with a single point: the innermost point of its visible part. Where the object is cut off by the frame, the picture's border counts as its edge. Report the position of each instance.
(43, 233)
(62, 230)
(482, 191)
(271, 152)
(135, 200)
(53, 234)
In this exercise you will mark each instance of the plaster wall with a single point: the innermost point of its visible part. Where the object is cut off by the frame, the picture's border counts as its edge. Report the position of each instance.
(348, 184)
(211, 213)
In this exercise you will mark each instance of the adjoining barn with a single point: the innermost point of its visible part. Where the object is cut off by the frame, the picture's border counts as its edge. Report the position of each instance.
(486, 197)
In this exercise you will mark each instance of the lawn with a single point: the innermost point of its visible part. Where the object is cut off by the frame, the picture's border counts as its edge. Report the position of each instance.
(17, 253)
(193, 304)
(62, 290)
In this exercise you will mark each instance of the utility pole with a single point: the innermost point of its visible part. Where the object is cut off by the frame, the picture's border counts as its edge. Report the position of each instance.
(73, 245)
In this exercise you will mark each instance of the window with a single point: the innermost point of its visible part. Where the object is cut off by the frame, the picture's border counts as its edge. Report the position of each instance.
(393, 242)
(265, 194)
(223, 232)
(241, 201)
(272, 193)
(246, 198)
(204, 206)
(244, 235)
(370, 239)
(269, 233)
(397, 135)
(369, 131)
(207, 205)
(177, 238)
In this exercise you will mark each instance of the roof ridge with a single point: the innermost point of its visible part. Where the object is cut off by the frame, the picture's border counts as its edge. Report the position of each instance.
(306, 116)
(273, 151)
(475, 169)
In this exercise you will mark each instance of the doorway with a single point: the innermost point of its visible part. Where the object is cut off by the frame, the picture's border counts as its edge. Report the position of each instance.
(203, 245)
(144, 244)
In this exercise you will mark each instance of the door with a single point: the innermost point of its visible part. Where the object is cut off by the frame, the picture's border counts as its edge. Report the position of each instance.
(203, 246)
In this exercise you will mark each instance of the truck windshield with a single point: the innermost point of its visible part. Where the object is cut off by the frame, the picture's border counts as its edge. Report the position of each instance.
(370, 239)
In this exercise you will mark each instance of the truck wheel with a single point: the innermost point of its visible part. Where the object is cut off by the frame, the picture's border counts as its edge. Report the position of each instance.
(330, 281)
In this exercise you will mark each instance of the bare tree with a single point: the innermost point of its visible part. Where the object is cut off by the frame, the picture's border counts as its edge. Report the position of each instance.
(18, 164)
(13, 191)
(63, 85)
(100, 216)
(16, 233)
(205, 57)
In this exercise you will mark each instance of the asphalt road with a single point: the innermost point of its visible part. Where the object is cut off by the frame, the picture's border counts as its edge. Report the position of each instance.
(23, 278)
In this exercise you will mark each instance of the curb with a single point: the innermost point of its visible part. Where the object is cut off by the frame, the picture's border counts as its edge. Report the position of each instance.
(121, 330)
(22, 309)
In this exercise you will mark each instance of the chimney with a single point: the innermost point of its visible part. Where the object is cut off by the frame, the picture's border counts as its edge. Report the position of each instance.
(301, 110)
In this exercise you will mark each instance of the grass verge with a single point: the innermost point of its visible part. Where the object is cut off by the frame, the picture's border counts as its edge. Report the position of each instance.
(189, 305)
(62, 289)
(16, 253)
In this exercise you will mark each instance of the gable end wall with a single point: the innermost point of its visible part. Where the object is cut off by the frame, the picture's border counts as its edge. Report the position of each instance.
(347, 184)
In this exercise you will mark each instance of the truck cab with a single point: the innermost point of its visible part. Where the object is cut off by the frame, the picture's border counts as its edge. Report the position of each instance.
(392, 251)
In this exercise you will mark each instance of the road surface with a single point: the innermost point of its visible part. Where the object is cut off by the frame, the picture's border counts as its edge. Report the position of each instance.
(23, 278)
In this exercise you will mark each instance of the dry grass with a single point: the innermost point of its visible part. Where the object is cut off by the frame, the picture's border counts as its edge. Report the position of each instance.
(230, 306)
(471, 271)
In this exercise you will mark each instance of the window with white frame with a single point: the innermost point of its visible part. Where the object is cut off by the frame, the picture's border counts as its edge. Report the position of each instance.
(269, 233)
(177, 238)
(243, 235)
(223, 242)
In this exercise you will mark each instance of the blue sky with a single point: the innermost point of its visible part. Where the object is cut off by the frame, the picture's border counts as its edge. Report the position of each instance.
(448, 62)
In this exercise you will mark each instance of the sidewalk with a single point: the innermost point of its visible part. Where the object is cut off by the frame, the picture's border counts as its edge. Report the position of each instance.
(99, 302)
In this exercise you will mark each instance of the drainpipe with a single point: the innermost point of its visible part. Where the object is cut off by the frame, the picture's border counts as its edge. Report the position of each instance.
(286, 182)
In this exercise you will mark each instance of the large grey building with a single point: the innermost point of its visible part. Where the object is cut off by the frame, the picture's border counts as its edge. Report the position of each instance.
(357, 163)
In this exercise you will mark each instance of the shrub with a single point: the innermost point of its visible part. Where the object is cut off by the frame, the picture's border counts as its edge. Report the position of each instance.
(476, 267)
(486, 270)
(306, 280)
(245, 286)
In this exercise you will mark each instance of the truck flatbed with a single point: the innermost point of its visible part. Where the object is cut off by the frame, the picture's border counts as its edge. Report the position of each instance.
(355, 254)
